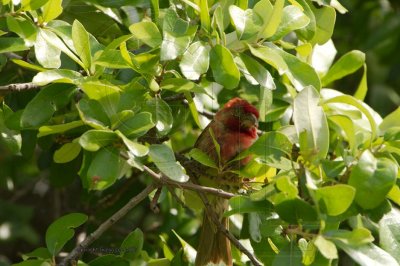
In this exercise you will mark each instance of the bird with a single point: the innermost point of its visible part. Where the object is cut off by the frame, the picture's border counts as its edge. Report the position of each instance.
(234, 128)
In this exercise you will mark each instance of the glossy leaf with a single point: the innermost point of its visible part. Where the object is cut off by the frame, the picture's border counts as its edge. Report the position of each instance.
(93, 140)
(195, 60)
(243, 204)
(164, 158)
(132, 244)
(389, 233)
(135, 148)
(325, 18)
(147, 32)
(272, 20)
(311, 124)
(326, 247)
(202, 158)
(271, 146)
(247, 24)
(103, 92)
(335, 199)
(42, 107)
(55, 129)
(372, 178)
(28, 5)
(52, 9)
(296, 211)
(292, 19)
(161, 114)
(61, 231)
(104, 168)
(346, 65)
(135, 125)
(390, 121)
(223, 67)
(80, 37)
(47, 55)
(57, 76)
(67, 152)
(13, 44)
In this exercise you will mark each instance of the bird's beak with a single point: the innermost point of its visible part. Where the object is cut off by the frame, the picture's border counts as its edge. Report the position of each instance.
(249, 120)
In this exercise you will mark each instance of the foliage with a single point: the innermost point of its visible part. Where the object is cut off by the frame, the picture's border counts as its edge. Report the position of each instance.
(127, 85)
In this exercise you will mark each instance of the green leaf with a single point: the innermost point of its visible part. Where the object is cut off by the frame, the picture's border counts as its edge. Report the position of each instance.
(300, 73)
(67, 152)
(161, 114)
(202, 158)
(271, 146)
(93, 140)
(135, 125)
(390, 121)
(289, 254)
(181, 85)
(293, 18)
(52, 9)
(177, 35)
(39, 262)
(164, 158)
(195, 60)
(246, 23)
(92, 113)
(271, 57)
(42, 107)
(308, 32)
(23, 27)
(205, 16)
(135, 148)
(346, 65)
(13, 44)
(111, 59)
(367, 111)
(346, 125)
(258, 72)
(56, 42)
(310, 120)
(42, 253)
(272, 19)
(368, 255)
(28, 5)
(80, 37)
(57, 76)
(325, 18)
(326, 247)
(223, 67)
(132, 245)
(61, 231)
(28, 65)
(243, 204)
(106, 94)
(372, 178)
(389, 233)
(188, 251)
(335, 199)
(104, 168)
(147, 32)
(49, 130)
(296, 211)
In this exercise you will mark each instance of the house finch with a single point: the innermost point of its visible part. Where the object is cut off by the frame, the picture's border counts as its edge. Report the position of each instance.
(235, 129)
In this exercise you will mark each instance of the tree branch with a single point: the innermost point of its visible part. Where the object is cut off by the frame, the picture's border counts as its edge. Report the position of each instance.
(214, 217)
(166, 181)
(77, 251)
(19, 87)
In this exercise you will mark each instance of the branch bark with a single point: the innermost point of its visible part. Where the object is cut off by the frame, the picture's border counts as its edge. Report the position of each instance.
(19, 87)
(166, 181)
(80, 248)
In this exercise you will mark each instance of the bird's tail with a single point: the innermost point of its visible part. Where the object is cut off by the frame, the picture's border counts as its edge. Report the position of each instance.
(214, 248)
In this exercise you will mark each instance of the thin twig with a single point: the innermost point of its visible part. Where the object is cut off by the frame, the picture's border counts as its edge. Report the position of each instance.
(19, 87)
(186, 185)
(214, 217)
(77, 251)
